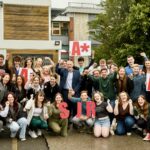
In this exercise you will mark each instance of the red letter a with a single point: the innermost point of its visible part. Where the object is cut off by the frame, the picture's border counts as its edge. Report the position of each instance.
(75, 49)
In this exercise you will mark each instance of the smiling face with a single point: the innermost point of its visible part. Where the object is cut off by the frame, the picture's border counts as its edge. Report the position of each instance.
(6, 79)
(52, 81)
(130, 60)
(40, 98)
(36, 81)
(84, 96)
(19, 80)
(46, 70)
(121, 72)
(136, 70)
(97, 97)
(96, 73)
(39, 62)
(58, 99)
(123, 97)
(147, 64)
(29, 63)
(141, 101)
(10, 99)
(69, 65)
(104, 73)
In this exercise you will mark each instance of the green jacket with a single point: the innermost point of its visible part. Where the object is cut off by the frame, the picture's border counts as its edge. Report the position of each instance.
(53, 112)
(138, 113)
(107, 85)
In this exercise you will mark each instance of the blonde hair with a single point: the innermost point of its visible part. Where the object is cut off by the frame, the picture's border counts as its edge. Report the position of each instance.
(100, 94)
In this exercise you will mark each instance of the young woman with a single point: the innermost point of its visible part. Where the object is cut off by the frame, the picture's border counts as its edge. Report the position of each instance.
(3, 114)
(37, 114)
(51, 88)
(18, 88)
(124, 114)
(38, 66)
(142, 115)
(34, 87)
(29, 66)
(55, 122)
(147, 73)
(123, 82)
(102, 121)
(4, 86)
(46, 74)
(47, 70)
(16, 118)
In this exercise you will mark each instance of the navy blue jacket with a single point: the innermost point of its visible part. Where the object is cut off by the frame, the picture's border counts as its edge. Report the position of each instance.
(63, 72)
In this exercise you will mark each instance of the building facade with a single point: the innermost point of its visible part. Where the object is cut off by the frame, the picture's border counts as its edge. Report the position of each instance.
(26, 28)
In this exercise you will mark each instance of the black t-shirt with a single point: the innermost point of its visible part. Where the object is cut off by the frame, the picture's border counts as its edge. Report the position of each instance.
(101, 110)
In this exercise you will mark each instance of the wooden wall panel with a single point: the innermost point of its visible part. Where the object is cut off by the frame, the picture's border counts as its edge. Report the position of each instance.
(28, 52)
(26, 22)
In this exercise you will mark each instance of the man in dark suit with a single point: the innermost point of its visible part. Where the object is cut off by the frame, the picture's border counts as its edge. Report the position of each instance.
(69, 79)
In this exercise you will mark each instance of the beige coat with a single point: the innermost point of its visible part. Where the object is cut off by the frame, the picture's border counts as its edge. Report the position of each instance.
(30, 106)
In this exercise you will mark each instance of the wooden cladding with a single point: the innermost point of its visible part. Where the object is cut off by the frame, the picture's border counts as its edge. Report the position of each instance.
(26, 22)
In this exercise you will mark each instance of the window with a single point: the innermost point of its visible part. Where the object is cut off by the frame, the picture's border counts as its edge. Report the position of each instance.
(56, 28)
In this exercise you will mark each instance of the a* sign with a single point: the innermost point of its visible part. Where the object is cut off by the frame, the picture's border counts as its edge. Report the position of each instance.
(80, 48)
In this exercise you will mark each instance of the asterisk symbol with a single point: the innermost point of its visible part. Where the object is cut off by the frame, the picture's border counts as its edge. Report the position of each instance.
(84, 47)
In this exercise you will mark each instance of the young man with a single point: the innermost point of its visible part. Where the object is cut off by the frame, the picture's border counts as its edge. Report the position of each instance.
(139, 83)
(4, 67)
(82, 119)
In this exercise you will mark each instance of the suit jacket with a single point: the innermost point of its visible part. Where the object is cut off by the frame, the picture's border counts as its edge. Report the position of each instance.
(63, 72)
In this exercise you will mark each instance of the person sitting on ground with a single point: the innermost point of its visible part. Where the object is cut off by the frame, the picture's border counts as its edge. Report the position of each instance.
(124, 114)
(142, 116)
(37, 114)
(16, 118)
(84, 122)
(102, 121)
(3, 114)
(55, 122)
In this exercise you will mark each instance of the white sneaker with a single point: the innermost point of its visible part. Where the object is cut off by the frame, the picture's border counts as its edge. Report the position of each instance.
(23, 139)
(33, 134)
(13, 135)
(129, 133)
(39, 132)
(112, 132)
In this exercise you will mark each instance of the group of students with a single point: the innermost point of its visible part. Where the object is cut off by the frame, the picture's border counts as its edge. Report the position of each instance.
(101, 99)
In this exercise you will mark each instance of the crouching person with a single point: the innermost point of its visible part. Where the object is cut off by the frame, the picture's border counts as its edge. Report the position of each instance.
(16, 118)
(57, 123)
(102, 121)
(37, 114)
(3, 114)
(142, 116)
(124, 114)
(83, 122)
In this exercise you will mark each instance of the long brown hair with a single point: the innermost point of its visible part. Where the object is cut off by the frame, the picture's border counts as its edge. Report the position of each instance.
(23, 81)
(124, 80)
(119, 98)
(59, 95)
(144, 110)
(15, 103)
(41, 93)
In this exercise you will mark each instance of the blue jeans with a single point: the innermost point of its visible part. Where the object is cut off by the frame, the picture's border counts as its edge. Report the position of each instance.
(124, 126)
(21, 125)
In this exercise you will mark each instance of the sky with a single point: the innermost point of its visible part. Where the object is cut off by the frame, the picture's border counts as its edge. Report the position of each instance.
(64, 3)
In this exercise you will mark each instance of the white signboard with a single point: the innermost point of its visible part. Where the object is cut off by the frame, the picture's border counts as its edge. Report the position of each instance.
(80, 48)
